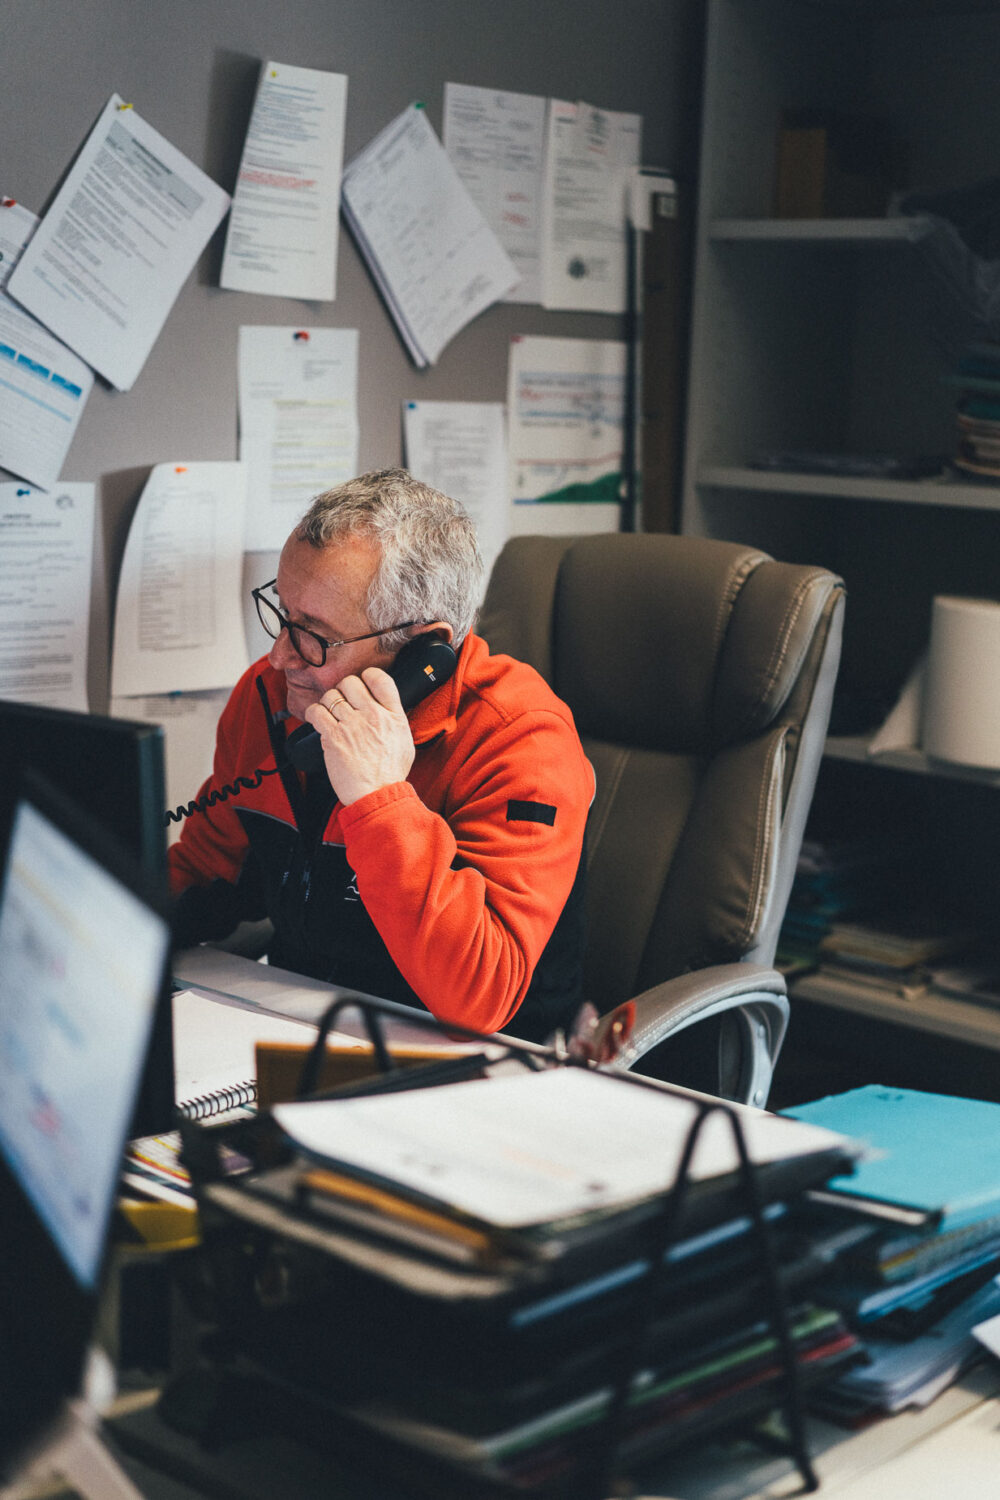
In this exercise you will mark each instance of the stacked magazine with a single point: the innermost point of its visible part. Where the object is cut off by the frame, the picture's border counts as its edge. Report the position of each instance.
(915, 1288)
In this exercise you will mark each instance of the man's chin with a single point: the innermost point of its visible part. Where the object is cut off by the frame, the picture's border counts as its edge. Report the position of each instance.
(297, 700)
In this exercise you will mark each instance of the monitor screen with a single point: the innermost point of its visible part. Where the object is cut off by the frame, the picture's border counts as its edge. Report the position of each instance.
(81, 961)
(114, 770)
(83, 968)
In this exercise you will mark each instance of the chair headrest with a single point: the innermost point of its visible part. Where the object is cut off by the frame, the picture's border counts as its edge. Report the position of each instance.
(679, 644)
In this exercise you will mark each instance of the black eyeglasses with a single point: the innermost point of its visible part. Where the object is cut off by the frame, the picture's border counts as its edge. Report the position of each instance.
(311, 647)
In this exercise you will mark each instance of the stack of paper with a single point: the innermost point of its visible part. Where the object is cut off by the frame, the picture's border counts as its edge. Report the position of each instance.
(559, 1144)
(434, 258)
(523, 1212)
(915, 1289)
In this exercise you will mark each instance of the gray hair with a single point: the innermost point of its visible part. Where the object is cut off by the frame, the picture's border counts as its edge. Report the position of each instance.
(430, 566)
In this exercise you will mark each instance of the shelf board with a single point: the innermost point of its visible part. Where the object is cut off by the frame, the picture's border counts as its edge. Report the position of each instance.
(901, 229)
(940, 1015)
(857, 748)
(963, 495)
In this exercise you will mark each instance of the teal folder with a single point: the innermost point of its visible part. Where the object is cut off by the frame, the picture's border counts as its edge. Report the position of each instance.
(933, 1155)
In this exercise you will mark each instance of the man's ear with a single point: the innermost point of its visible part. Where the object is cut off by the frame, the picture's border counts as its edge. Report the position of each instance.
(439, 629)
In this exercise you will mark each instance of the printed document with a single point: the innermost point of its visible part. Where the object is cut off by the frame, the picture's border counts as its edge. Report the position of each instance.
(282, 235)
(298, 422)
(459, 448)
(589, 159)
(105, 265)
(435, 259)
(43, 387)
(46, 556)
(565, 406)
(496, 142)
(179, 615)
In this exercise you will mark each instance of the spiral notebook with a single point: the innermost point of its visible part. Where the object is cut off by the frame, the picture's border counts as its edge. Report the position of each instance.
(214, 1051)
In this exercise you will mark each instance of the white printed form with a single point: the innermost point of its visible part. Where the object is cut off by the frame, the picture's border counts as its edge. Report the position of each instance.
(282, 235)
(459, 448)
(298, 396)
(105, 265)
(434, 257)
(43, 386)
(179, 615)
(46, 556)
(589, 160)
(496, 142)
(565, 411)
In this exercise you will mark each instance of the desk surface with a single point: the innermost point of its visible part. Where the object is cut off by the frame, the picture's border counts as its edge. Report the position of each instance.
(951, 1446)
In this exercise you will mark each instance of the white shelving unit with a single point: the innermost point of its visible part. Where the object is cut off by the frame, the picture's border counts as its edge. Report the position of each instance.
(838, 335)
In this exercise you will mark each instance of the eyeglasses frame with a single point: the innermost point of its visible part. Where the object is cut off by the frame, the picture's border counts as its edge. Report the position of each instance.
(294, 629)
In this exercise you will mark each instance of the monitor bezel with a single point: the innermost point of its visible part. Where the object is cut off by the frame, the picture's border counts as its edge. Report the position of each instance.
(69, 748)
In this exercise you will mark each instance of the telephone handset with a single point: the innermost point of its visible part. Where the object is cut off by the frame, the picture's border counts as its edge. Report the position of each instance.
(421, 666)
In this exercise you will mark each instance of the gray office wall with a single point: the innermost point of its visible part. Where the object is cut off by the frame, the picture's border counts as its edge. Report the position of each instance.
(190, 68)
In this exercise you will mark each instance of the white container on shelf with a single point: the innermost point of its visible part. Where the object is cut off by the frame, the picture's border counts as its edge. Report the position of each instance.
(961, 716)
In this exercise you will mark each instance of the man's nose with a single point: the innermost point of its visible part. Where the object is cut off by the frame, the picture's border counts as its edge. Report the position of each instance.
(282, 652)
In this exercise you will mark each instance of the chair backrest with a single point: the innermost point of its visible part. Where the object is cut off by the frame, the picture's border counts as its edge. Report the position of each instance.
(700, 674)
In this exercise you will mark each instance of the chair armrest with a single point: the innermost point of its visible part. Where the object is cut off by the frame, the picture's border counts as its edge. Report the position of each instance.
(757, 996)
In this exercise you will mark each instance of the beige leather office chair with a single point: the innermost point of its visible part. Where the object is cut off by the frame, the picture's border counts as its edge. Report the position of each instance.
(700, 674)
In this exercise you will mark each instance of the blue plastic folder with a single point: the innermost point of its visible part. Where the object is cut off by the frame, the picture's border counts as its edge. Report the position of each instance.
(930, 1154)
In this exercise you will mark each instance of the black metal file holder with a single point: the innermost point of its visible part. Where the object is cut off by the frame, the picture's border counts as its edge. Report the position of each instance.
(598, 1465)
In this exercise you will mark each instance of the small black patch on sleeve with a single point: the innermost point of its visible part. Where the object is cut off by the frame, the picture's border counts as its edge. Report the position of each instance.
(530, 812)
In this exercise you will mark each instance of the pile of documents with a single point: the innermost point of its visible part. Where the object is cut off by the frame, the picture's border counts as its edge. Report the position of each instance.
(485, 1274)
(977, 450)
(870, 961)
(841, 880)
(434, 258)
(927, 1273)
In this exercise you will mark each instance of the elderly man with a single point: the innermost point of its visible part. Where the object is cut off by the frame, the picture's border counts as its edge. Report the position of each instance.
(433, 858)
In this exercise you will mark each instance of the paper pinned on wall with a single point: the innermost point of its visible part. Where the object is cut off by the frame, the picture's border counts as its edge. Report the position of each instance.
(496, 141)
(434, 257)
(459, 448)
(590, 155)
(298, 392)
(189, 722)
(46, 558)
(43, 386)
(179, 614)
(565, 406)
(282, 234)
(104, 267)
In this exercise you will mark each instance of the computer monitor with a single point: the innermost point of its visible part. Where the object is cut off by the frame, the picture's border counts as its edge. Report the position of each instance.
(114, 769)
(84, 962)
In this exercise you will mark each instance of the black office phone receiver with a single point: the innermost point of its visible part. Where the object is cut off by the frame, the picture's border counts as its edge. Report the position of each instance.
(421, 666)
